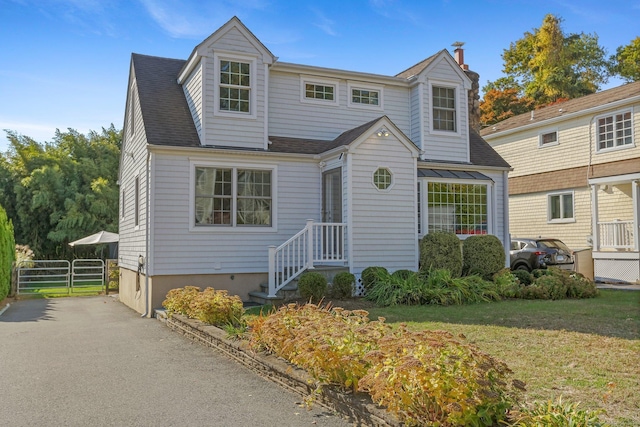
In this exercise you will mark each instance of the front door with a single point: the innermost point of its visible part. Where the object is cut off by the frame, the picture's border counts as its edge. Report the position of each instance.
(332, 195)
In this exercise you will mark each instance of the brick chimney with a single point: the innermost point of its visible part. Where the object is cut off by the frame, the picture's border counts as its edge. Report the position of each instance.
(458, 55)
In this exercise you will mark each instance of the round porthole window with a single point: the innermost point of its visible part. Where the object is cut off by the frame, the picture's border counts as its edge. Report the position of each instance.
(382, 178)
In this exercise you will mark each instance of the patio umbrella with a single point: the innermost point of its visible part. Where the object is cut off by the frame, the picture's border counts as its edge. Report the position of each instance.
(102, 237)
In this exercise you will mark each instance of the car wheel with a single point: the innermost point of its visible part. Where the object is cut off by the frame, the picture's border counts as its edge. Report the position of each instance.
(523, 267)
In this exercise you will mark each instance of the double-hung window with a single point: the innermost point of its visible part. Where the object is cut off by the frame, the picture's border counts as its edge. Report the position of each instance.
(614, 130)
(235, 79)
(233, 197)
(444, 108)
(560, 207)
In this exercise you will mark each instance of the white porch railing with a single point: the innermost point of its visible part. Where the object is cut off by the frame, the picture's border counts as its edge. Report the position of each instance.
(317, 243)
(615, 234)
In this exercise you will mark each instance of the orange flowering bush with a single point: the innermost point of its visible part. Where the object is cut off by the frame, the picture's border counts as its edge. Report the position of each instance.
(425, 378)
(209, 306)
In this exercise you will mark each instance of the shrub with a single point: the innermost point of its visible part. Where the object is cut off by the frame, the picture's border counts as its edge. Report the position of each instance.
(389, 289)
(7, 253)
(216, 307)
(441, 249)
(343, 285)
(178, 300)
(426, 377)
(523, 276)
(312, 286)
(403, 274)
(369, 276)
(209, 306)
(482, 255)
(506, 282)
(555, 414)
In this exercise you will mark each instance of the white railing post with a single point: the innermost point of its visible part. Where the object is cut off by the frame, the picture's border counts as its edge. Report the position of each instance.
(272, 271)
(310, 243)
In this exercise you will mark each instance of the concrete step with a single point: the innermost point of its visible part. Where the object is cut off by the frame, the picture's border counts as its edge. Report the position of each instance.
(263, 298)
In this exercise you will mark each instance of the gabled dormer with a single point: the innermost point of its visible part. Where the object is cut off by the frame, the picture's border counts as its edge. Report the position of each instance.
(224, 82)
(439, 108)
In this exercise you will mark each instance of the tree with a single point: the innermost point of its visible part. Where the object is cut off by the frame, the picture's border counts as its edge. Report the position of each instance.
(63, 190)
(546, 66)
(498, 105)
(7, 253)
(626, 61)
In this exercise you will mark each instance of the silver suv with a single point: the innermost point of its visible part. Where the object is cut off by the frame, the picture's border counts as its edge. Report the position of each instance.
(530, 254)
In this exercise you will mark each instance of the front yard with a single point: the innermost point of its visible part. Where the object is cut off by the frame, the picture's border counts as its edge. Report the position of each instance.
(585, 350)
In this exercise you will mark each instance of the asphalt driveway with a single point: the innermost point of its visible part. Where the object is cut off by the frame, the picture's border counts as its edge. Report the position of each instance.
(91, 361)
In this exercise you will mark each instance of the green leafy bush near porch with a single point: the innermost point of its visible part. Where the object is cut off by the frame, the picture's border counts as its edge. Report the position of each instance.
(441, 250)
(312, 286)
(215, 307)
(343, 285)
(369, 276)
(482, 255)
(554, 283)
(425, 377)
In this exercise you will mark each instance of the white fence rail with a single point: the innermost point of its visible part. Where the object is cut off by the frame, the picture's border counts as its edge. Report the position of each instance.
(615, 234)
(317, 243)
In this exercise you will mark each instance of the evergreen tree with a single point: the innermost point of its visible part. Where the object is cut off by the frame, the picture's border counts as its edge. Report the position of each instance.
(7, 253)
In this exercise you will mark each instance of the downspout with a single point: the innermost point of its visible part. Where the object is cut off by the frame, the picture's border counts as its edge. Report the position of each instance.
(505, 221)
(147, 238)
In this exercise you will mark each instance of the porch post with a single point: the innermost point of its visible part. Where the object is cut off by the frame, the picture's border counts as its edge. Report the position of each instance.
(310, 244)
(272, 271)
(635, 197)
(594, 217)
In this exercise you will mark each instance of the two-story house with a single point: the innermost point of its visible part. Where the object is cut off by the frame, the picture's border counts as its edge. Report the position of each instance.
(238, 169)
(576, 175)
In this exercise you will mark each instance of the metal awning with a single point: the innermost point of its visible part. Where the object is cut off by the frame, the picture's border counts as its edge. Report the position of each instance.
(452, 174)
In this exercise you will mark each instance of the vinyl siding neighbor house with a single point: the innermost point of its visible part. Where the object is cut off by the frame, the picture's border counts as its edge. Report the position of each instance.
(239, 170)
(576, 176)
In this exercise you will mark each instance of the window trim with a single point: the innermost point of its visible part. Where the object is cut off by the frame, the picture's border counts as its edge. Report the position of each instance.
(233, 228)
(136, 202)
(391, 179)
(423, 203)
(541, 135)
(304, 80)
(456, 94)
(352, 85)
(561, 220)
(615, 147)
(234, 57)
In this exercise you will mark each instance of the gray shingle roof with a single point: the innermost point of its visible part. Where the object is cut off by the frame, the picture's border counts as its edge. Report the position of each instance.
(165, 112)
(562, 109)
(417, 68)
(168, 121)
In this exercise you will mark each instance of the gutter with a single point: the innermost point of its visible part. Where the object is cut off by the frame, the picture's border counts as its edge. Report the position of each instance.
(146, 241)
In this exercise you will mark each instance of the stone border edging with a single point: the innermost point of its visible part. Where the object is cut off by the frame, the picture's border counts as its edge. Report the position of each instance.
(357, 408)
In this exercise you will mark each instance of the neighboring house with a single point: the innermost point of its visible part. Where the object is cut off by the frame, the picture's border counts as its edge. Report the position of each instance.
(576, 175)
(238, 169)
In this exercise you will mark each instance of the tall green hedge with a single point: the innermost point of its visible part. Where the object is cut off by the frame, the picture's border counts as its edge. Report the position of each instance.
(482, 255)
(441, 250)
(7, 253)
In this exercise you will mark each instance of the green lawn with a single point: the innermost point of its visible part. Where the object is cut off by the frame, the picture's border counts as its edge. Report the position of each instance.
(55, 289)
(586, 351)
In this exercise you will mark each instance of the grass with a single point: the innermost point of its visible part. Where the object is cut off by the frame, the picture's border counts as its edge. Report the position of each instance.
(586, 351)
(56, 289)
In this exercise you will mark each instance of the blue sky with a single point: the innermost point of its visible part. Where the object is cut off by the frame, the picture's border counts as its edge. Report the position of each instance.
(64, 63)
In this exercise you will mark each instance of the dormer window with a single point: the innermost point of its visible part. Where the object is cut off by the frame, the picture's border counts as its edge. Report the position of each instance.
(236, 86)
(444, 108)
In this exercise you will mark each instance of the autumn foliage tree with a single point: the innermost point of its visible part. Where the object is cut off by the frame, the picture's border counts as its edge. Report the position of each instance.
(543, 67)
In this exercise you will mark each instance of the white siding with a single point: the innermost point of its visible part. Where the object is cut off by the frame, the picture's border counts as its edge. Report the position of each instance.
(383, 222)
(133, 164)
(289, 116)
(193, 92)
(445, 146)
(225, 130)
(241, 250)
